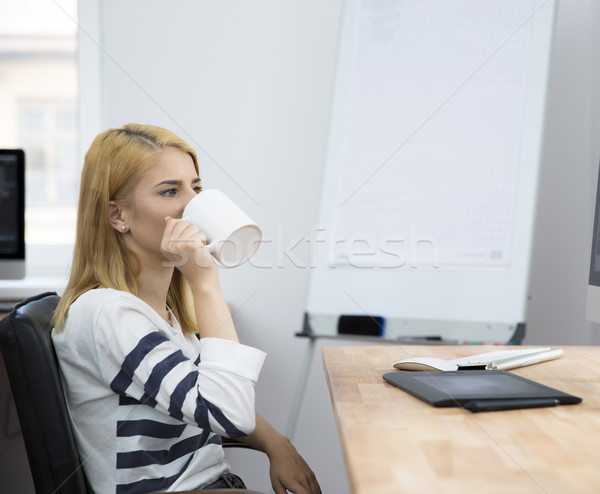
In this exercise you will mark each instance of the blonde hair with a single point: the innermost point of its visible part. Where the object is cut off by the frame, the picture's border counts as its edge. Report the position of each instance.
(113, 166)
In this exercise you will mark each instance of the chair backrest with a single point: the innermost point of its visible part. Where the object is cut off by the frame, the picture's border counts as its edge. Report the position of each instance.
(33, 373)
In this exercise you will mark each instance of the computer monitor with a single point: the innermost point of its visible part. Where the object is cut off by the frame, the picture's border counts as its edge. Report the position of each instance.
(593, 292)
(12, 214)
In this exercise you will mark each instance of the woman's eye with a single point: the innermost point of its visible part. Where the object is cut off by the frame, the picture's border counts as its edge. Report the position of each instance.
(198, 189)
(168, 192)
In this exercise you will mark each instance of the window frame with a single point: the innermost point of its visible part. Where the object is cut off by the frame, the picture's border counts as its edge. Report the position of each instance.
(51, 263)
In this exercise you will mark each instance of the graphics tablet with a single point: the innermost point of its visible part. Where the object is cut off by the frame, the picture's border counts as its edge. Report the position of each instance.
(478, 390)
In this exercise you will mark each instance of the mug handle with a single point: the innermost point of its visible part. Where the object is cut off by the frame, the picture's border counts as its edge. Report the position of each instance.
(212, 247)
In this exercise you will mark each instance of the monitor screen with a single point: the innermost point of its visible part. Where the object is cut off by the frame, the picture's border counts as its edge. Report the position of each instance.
(12, 219)
(593, 293)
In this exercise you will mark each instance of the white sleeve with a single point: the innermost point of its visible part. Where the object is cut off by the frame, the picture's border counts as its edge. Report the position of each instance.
(141, 363)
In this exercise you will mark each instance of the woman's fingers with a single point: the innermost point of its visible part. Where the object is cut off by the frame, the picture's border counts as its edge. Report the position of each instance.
(182, 243)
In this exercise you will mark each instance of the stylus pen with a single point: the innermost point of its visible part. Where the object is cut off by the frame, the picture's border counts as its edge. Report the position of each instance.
(491, 405)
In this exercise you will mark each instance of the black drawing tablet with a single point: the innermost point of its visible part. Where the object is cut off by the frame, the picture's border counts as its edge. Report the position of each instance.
(478, 390)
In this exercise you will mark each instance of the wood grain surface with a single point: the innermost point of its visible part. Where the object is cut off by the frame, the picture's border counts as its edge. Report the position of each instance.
(396, 443)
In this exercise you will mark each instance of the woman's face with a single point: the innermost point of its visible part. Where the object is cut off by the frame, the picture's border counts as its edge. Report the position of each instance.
(164, 190)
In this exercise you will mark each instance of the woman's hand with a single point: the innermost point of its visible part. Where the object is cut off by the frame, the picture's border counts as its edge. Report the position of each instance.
(184, 247)
(289, 472)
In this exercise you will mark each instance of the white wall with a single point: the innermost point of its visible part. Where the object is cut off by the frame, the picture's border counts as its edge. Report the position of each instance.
(249, 84)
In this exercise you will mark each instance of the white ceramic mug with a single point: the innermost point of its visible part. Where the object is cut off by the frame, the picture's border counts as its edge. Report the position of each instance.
(232, 236)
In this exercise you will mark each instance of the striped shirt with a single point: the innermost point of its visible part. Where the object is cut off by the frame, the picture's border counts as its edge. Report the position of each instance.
(148, 404)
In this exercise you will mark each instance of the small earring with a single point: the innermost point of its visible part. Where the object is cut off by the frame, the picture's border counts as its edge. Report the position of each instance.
(123, 227)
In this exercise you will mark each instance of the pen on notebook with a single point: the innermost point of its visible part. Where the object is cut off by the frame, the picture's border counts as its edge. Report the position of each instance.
(493, 405)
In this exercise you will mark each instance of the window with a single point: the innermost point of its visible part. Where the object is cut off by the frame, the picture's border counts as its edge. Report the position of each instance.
(38, 105)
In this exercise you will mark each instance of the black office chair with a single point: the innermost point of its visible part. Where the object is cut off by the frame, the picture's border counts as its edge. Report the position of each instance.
(33, 373)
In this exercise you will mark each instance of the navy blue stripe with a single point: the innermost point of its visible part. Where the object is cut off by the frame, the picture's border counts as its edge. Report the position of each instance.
(215, 439)
(144, 400)
(128, 401)
(197, 360)
(123, 379)
(204, 407)
(150, 428)
(230, 429)
(160, 370)
(185, 447)
(151, 485)
(148, 400)
(179, 394)
(201, 413)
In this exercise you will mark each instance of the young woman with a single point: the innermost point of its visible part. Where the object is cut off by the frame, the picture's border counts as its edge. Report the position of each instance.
(152, 367)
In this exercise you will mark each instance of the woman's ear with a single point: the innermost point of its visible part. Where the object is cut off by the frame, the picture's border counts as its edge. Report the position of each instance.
(116, 216)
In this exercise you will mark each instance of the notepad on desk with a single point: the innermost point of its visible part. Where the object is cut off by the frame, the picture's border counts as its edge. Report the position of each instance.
(498, 360)
(479, 390)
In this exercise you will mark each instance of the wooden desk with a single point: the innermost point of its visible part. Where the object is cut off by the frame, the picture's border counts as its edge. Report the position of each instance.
(395, 443)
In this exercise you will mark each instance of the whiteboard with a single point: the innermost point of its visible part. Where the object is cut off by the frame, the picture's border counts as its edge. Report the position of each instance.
(428, 198)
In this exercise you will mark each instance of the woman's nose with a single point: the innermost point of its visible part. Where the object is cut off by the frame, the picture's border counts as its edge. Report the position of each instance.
(188, 196)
